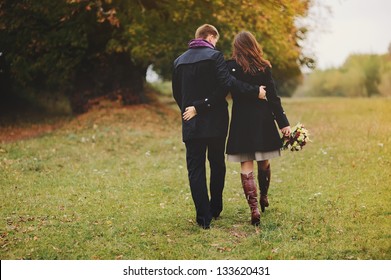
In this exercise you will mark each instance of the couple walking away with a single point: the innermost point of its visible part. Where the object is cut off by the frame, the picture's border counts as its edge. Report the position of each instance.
(201, 81)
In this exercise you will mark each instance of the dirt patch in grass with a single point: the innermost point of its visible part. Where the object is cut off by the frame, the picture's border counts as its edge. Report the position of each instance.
(15, 133)
(158, 116)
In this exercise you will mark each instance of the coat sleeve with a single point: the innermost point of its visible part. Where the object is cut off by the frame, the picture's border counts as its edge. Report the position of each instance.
(176, 88)
(208, 103)
(274, 101)
(229, 82)
(226, 82)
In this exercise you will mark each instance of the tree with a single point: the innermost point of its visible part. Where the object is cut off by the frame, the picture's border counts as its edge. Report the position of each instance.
(42, 43)
(88, 48)
(370, 67)
(362, 75)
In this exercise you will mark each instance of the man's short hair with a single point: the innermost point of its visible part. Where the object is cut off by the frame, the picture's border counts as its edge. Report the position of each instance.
(205, 30)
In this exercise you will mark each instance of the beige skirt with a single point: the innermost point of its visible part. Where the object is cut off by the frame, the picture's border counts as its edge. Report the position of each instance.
(258, 156)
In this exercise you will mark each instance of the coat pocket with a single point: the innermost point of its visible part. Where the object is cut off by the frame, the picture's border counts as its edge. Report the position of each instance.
(189, 127)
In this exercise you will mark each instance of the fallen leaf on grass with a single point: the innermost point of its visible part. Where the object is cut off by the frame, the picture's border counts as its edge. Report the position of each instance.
(224, 249)
(56, 249)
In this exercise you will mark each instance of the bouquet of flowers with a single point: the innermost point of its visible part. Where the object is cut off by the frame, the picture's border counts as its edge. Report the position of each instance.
(297, 139)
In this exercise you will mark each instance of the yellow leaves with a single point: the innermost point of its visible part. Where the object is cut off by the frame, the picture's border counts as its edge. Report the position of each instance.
(176, 16)
(115, 46)
(110, 16)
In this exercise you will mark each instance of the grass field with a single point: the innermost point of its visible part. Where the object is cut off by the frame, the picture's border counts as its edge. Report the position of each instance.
(112, 184)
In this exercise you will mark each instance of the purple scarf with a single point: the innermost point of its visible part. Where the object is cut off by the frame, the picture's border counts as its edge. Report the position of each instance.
(200, 43)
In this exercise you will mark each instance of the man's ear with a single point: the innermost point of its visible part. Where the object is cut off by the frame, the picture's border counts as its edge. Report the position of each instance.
(209, 38)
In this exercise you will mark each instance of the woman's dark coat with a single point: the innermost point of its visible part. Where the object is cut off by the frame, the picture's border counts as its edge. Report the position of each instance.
(253, 126)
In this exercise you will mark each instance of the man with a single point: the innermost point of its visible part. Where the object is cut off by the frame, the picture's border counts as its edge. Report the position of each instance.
(200, 82)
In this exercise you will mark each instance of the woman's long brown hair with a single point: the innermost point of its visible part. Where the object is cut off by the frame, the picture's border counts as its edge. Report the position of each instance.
(248, 53)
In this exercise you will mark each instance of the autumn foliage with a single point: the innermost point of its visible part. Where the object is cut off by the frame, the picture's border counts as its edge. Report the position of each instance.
(89, 48)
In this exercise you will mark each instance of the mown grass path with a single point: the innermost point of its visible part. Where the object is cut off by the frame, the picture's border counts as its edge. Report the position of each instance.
(112, 184)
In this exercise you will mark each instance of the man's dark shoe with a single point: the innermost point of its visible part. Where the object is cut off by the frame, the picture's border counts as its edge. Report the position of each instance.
(204, 224)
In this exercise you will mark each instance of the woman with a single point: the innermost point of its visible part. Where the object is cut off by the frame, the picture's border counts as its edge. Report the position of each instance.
(253, 135)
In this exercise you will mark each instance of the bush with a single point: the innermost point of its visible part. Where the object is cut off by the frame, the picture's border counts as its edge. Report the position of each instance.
(360, 76)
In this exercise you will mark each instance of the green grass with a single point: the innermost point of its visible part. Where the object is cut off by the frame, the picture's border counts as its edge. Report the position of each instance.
(112, 184)
(164, 87)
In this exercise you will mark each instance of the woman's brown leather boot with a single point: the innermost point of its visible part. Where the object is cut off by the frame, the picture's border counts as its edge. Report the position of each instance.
(250, 191)
(264, 183)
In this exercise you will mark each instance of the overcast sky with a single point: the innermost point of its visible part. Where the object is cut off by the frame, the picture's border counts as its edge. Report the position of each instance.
(352, 26)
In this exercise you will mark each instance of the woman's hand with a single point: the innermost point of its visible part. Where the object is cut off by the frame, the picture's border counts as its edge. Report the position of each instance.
(286, 130)
(190, 112)
(262, 92)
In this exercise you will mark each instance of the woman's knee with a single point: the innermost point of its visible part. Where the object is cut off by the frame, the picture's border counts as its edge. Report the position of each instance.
(247, 167)
(263, 164)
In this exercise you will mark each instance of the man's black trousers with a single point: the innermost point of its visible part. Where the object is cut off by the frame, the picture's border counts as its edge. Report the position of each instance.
(196, 152)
